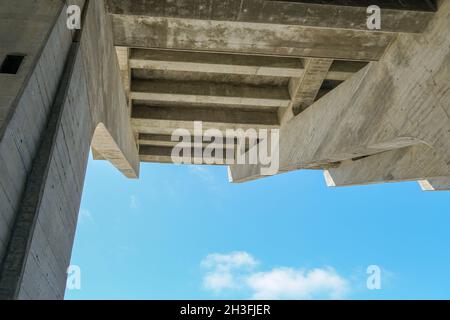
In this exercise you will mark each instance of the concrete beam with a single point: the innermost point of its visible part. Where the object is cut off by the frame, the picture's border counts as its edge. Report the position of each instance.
(398, 16)
(304, 90)
(161, 140)
(184, 61)
(387, 106)
(419, 162)
(216, 63)
(164, 120)
(209, 93)
(248, 38)
(164, 155)
(123, 56)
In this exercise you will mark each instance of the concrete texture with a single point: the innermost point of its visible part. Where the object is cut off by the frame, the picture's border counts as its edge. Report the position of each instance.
(413, 163)
(398, 16)
(248, 38)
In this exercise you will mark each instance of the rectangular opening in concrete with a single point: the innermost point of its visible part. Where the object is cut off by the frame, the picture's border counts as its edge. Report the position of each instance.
(12, 63)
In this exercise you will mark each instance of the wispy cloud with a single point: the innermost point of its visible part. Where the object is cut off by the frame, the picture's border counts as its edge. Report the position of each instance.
(235, 272)
(234, 260)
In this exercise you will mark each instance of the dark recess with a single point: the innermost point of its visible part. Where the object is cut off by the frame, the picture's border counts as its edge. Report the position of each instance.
(11, 64)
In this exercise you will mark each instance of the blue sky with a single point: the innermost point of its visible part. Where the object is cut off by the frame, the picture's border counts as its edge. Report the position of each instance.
(184, 232)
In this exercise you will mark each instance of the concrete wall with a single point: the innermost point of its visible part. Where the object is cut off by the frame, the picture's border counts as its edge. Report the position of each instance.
(26, 97)
(94, 110)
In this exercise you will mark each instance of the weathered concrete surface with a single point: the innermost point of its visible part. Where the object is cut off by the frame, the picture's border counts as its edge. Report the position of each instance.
(406, 164)
(159, 140)
(305, 89)
(400, 101)
(435, 184)
(209, 93)
(165, 120)
(398, 16)
(31, 86)
(95, 99)
(248, 38)
(123, 55)
(198, 156)
(201, 62)
(216, 63)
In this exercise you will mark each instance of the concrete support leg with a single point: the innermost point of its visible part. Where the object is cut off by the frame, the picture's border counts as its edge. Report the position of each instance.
(45, 141)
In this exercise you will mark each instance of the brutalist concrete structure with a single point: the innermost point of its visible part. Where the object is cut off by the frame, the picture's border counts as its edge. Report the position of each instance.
(365, 106)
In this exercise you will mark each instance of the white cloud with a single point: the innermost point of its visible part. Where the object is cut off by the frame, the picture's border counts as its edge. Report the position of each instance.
(230, 261)
(235, 271)
(218, 281)
(289, 283)
(224, 269)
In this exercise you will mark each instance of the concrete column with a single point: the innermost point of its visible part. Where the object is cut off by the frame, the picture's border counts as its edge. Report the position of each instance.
(51, 119)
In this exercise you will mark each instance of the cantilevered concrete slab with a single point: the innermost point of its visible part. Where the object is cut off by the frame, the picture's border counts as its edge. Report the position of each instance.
(398, 16)
(418, 162)
(398, 102)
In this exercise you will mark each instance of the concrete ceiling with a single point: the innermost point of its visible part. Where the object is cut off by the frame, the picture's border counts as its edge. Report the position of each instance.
(242, 63)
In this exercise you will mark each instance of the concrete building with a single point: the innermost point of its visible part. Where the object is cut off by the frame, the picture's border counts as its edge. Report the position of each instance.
(365, 105)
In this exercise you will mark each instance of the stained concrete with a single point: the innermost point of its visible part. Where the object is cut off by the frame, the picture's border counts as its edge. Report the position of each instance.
(398, 16)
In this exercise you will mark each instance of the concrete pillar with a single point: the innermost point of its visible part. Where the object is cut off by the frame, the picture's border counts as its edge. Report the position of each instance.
(60, 102)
